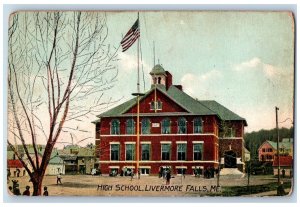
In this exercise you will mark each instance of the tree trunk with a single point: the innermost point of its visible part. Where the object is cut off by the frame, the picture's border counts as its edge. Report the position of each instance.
(37, 186)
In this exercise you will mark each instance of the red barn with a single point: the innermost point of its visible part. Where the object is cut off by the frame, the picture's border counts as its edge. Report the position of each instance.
(176, 131)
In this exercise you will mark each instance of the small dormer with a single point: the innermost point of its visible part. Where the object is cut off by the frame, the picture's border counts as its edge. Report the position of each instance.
(160, 76)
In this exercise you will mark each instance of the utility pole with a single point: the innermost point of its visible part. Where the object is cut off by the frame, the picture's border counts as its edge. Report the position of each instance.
(278, 154)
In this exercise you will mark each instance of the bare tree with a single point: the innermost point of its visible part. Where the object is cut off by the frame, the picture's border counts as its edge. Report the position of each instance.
(59, 67)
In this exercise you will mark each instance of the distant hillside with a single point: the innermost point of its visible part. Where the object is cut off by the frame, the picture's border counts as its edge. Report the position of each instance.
(254, 139)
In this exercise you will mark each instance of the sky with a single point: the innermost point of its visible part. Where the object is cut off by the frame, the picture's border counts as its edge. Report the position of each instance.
(243, 60)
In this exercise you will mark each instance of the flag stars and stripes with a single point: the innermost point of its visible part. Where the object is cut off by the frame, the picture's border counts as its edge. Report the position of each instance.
(132, 35)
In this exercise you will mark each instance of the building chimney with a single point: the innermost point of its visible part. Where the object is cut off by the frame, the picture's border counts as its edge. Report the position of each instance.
(179, 87)
(169, 80)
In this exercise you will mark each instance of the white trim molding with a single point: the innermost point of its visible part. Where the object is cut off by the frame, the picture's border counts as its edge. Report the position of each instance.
(181, 142)
(113, 167)
(114, 142)
(130, 142)
(145, 142)
(197, 142)
(129, 166)
(148, 167)
(166, 142)
(181, 167)
(156, 135)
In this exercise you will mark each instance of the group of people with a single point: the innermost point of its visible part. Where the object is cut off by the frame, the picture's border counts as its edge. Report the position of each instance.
(165, 173)
(124, 172)
(15, 190)
(210, 172)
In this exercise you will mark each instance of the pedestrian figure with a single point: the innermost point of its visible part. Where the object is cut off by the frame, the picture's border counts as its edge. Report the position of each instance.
(280, 190)
(139, 174)
(16, 191)
(125, 171)
(132, 173)
(183, 173)
(160, 172)
(18, 172)
(217, 171)
(212, 172)
(45, 192)
(283, 173)
(168, 177)
(58, 179)
(10, 190)
(27, 192)
(8, 173)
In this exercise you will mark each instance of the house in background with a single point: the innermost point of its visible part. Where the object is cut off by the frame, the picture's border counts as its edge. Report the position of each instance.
(285, 164)
(55, 166)
(247, 154)
(268, 150)
(78, 160)
(176, 131)
(15, 167)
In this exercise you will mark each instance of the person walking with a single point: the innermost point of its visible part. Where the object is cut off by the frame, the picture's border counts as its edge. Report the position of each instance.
(168, 177)
(58, 179)
(10, 192)
(45, 191)
(27, 192)
(283, 173)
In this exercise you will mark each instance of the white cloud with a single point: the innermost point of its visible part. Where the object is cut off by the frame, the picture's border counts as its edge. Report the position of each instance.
(197, 84)
(128, 63)
(256, 64)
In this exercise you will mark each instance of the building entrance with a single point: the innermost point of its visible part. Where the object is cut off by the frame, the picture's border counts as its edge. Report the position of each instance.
(230, 159)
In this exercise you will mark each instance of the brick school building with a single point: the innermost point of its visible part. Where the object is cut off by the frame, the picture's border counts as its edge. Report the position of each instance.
(176, 131)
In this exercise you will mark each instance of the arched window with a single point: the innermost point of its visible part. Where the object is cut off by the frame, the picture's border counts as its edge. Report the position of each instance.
(130, 129)
(159, 80)
(181, 125)
(115, 126)
(166, 126)
(145, 126)
(197, 125)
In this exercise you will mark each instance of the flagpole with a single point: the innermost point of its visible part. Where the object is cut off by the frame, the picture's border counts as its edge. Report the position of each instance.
(138, 105)
(155, 79)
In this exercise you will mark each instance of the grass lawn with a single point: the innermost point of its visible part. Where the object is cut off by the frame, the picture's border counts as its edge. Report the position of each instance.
(253, 189)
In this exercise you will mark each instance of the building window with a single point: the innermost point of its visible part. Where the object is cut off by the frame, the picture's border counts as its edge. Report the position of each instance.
(145, 171)
(198, 151)
(263, 149)
(145, 126)
(165, 151)
(159, 80)
(181, 152)
(197, 125)
(130, 151)
(130, 129)
(114, 151)
(115, 126)
(166, 126)
(157, 104)
(181, 125)
(145, 151)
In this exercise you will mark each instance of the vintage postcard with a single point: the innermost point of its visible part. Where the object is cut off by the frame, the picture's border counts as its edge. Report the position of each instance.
(150, 103)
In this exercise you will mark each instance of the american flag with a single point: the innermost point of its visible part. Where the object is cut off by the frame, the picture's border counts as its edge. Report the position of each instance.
(132, 35)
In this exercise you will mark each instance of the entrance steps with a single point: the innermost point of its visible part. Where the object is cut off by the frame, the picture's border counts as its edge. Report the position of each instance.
(231, 172)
